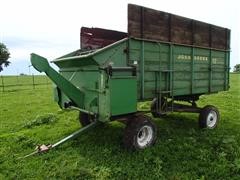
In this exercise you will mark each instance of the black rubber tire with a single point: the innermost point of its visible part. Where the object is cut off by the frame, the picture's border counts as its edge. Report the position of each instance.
(204, 115)
(132, 130)
(154, 107)
(85, 119)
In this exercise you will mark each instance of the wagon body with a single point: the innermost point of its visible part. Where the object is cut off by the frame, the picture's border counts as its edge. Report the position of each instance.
(177, 71)
(114, 70)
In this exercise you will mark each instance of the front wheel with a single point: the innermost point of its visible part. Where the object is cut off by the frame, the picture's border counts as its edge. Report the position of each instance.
(209, 117)
(140, 133)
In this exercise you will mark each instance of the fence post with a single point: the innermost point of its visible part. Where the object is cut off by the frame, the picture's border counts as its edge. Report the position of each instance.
(2, 83)
(33, 81)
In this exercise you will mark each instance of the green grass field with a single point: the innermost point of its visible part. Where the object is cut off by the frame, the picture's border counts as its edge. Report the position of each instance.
(30, 117)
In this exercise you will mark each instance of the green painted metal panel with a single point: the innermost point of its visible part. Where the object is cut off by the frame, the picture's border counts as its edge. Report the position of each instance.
(195, 70)
(87, 81)
(114, 55)
(123, 95)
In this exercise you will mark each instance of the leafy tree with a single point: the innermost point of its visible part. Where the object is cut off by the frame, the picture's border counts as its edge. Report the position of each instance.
(236, 68)
(4, 56)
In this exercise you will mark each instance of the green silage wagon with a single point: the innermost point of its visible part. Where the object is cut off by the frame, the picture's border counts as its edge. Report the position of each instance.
(163, 58)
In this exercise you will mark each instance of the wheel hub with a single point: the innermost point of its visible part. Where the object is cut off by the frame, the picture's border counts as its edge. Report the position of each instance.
(211, 119)
(144, 136)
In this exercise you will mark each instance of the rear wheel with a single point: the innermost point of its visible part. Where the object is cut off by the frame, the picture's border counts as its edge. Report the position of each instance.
(85, 119)
(140, 133)
(209, 117)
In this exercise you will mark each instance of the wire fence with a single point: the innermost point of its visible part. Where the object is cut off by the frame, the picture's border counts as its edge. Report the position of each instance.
(23, 82)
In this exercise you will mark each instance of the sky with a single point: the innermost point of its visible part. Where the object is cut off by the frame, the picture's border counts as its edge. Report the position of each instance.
(51, 28)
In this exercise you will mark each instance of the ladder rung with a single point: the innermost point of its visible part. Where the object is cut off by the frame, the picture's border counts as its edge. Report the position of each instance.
(164, 92)
(166, 70)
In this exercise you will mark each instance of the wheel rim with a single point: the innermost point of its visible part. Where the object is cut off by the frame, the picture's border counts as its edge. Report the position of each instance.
(144, 136)
(211, 119)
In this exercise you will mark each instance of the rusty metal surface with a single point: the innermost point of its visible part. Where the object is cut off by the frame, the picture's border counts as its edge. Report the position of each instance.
(94, 38)
(157, 25)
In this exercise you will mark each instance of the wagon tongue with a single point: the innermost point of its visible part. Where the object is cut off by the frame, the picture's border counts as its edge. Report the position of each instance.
(44, 148)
